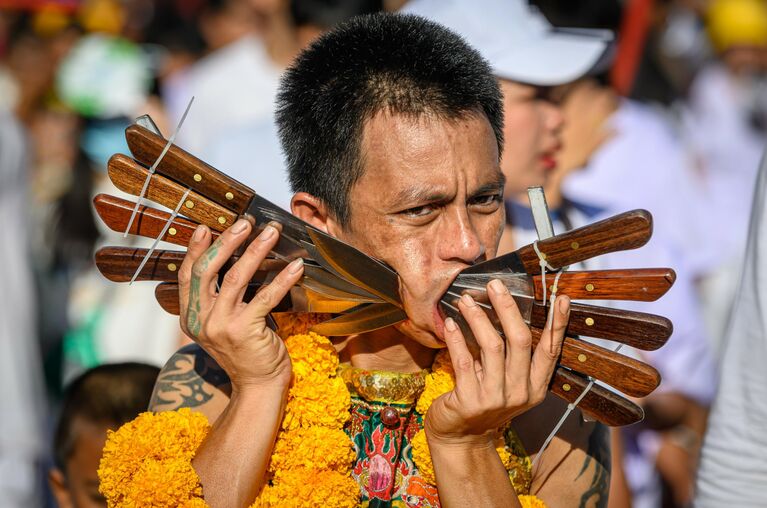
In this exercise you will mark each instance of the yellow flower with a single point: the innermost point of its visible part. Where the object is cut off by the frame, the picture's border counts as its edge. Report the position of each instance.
(531, 502)
(313, 447)
(422, 457)
(153, 453)
(317, 400)
(312, 353)
(437, 383)
(304, 487)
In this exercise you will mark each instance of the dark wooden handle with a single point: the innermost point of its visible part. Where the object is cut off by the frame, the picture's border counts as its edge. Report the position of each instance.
(637, 329)
(626, 374)
(118, 264)
(129, 176)
(628, 230)
(188, 170)
(645, 285)
(599, 403)
(166, 294)
(149, 222)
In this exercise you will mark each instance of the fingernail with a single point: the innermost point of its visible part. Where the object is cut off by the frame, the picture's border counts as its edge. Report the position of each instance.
(564, 305)
(450, 325)
(468, 301)
(239, 226)
(296, 265)
(497, 287)
(199, 232)
(267, 233)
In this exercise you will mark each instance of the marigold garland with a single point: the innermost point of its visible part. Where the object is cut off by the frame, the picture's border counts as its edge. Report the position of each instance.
(148, 460)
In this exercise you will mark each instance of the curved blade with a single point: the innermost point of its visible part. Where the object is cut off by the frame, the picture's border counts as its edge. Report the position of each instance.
(357, 267)
(364, 318)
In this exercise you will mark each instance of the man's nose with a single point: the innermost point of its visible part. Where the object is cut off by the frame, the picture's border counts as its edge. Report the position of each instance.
(461, 242)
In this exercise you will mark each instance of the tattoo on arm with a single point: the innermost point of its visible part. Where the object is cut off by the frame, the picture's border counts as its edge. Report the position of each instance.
(597, 464)
(187, 380)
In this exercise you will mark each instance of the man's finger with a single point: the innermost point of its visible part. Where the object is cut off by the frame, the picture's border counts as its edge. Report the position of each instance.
(269, 296)
(202, 283)
(492, 348)
(516, 331)
(549, 347)
(460, 358)
(197, 244)
(240, 273)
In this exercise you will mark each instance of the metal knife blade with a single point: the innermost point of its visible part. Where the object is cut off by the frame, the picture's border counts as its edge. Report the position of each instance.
(364, 318)
(357, 267)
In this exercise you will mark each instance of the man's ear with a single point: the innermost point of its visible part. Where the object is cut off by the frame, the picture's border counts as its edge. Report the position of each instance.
(59, 488)
(312, 210)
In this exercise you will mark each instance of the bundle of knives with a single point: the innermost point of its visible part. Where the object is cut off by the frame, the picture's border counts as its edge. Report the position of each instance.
(362, 293)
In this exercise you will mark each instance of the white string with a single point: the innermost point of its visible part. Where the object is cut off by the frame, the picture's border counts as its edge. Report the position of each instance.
(154, 167)
(570, 409)
(543, 264)
(159, 237)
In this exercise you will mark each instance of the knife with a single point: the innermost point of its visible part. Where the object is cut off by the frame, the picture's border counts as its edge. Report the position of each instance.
(646, 284)
(166, 294)
(364, 318)
(116, 212)
(625, 231)
(637, 329)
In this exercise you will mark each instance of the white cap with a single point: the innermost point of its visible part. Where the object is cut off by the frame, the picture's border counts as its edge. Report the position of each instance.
(520, 44)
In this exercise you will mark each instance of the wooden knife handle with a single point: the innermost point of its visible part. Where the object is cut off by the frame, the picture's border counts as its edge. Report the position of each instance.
(599, 403)
(637, 329)
(626, 374)
(149, 222)
(118, 264)
(645, 284)
(626, 231)
(166, 294)
(129, 176)
(188, 170)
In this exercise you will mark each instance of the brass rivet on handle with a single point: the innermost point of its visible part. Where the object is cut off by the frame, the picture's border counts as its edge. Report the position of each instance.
(197, 177)
(574, 245)
(589, 321)
(582, 358)
(229, 195)
(566, 387)
(222, 220)
(189, 203)
(172, 231)
(589, 287)
(172, 267)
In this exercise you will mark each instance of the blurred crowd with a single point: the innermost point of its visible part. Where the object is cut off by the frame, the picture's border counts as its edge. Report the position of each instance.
(672, 118)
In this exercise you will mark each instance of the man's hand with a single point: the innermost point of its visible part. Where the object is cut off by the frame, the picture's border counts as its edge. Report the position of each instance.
(234, 333)
(505, 381)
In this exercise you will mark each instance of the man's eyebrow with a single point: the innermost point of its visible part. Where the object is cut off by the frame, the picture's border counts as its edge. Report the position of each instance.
(419, 195)
(497, 184)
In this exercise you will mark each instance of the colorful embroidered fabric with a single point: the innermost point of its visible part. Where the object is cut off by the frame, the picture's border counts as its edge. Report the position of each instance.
(384, 467)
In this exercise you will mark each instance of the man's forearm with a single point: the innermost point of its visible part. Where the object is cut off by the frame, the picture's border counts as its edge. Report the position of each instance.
(232, 461)
(471, 476)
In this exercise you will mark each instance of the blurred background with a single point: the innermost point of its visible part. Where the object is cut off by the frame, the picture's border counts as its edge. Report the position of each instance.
(674, 121)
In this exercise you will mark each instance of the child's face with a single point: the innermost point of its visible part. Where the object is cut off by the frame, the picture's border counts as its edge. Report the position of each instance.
(78, 487)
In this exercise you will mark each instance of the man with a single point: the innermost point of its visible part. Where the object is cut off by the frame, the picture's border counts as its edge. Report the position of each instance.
(102, 398)
(392, 128)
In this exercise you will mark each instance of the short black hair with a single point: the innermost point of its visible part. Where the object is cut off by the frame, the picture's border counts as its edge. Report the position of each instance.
(110, 394)
(397, 63)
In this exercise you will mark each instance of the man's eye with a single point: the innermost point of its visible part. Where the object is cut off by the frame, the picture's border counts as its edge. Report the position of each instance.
(418, 211)
(489, 199)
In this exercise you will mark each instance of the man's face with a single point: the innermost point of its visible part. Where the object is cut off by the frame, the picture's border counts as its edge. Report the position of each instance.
(532, 135)
(429, 204)
(79, 487)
